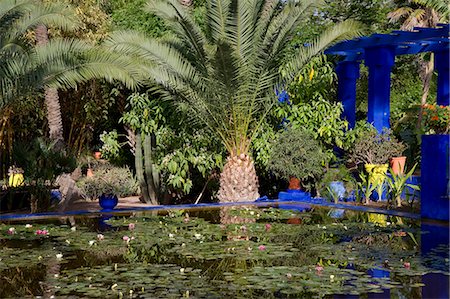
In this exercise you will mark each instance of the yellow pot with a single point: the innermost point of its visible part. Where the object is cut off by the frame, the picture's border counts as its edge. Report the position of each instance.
(15, 180)
(377, 172)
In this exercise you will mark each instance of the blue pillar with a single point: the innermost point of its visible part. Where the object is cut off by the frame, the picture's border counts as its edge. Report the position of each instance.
(442, 66)
(380, 61)
(348, 73)
(435, 177)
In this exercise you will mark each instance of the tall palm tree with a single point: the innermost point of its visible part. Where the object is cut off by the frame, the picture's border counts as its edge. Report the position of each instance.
(226, 76)
(422, 13)
(26, 68)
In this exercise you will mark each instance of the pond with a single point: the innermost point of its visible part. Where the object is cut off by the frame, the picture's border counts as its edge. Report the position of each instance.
(247, 251)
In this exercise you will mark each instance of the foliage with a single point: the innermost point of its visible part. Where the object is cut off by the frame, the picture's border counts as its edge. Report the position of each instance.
(61, 63)
(130, 14)
(117, 181)
(376, 148)
(295, 153)
(94, 23)
(436, 119)
(366, 186)
(317, 81)
(181, 148)
(226, 80)
(321, 118)
(340, 173)
(111, 148)
(41, 164)
(397, 184)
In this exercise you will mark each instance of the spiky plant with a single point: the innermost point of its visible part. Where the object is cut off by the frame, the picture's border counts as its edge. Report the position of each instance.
(226, 75)
(27, 69)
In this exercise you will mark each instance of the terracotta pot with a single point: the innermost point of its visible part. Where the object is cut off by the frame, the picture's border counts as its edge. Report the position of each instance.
(89, 173)
(97, 155)
(294, 184)
(398, 165)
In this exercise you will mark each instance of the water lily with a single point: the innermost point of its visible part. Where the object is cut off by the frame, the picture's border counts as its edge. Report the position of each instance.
(289, 275)
(268, 226)
(59, 256)
(43, 232)
(319, 268)
(11, 231)
(182, 270)
(100, 237)
(28, 226)
(197, 236)
(262, 247)
(131, 226)
(91, 242)
(243, 228)
(171, 236)
(73, 228)
(331, 277)
(407, 265)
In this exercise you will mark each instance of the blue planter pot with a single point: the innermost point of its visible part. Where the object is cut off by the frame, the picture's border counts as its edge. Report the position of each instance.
(108, 201)
(435, 177)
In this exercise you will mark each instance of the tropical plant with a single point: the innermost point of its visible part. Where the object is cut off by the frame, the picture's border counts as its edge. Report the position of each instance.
(295, 153)
(397, 184)
(226, 75)
(143, 117)
(26, 69)
(372, 147)
(365, 187)
(41, 163)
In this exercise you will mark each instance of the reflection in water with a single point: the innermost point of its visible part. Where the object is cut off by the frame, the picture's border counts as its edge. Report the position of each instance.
(249, 252)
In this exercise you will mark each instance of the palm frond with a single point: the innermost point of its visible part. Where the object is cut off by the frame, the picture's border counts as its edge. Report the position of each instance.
(344, 30)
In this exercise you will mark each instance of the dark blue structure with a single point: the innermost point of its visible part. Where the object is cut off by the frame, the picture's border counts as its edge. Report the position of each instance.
(379, 51)
(435, 172)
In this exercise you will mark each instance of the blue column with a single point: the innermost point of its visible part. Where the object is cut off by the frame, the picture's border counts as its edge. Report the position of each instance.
(442, 66)
(348, 73)
(435, 177)
(380, 61)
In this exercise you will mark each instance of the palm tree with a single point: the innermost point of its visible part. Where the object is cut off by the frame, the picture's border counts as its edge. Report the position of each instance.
(422, 13)
(61, 63)
(226, 75)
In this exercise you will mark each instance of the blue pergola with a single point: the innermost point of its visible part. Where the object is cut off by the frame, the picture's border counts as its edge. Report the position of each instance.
(378, 51)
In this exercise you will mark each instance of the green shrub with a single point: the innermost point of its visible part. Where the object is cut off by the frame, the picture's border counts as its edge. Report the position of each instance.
(109, 180)
(372, 147)
(340, 173)
(297, 154)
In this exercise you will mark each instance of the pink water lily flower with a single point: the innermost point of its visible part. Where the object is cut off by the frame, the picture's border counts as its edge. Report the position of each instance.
(126, 238)
(11, 231)
(319, 268)
(131, 226)
(43, 232)
(407, 265)
(262, 247)
(100, 237)
(268, 226)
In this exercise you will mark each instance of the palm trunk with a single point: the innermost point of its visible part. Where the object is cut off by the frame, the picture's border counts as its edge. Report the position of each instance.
(51, 98)
(426, 74)
(238, 180)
